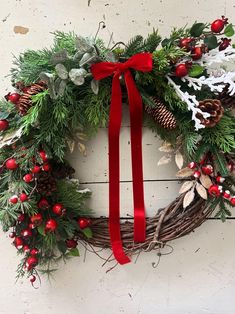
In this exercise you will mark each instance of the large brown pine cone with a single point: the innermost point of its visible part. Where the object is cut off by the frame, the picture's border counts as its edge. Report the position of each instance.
(46, 184)
(227, 101)
(214, 108)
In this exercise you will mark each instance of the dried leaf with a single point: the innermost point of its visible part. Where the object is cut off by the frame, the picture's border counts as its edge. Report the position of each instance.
(164, 160)
(61, 71)
(187, 185)
(10, 138)
(184, 173)
(188, 198)
(82, 148)
(179, 160)
(95, 86)
(81, 136)
(205, 181)
(166, 148)
(71, 145)
(201, 191)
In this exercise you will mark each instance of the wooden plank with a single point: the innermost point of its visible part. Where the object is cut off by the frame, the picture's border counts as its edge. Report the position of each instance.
(94, 167)
(157, 195)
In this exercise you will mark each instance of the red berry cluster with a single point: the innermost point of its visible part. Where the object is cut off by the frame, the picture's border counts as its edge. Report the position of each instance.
(216, 189)
(196, 49)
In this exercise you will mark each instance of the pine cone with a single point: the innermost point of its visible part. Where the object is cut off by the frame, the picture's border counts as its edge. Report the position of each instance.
(25, 101)
(62, 170)
(214, 108)
(161, 115)
(227, 101)
(46, 184)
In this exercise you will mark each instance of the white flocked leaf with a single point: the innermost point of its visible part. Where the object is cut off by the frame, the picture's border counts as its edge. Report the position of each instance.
(166, 148)
(205, 181)
(184, 173)
(201, 191)
(188, 198)
(164, 160)
(187, 185)
(179, 160)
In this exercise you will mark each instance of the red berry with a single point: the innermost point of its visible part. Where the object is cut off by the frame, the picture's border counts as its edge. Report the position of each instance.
(214, 190)
(84, 223)
(58, 209)
(32, 278)
(43, 203)
(34, 252)
(12, 235)
(13, 199)
(46, 167)
(208, 169)
(23, 197)
(21, 217)
(36, 219)
(51, 225)
(71, 243)
(36, 169)
(26, 233)
(220, 179)
(28, 178)
(43, 155)
(181, 70)
(18, 243)
(3, 125)
(232, 200)
(13, 97)
(31, 262)
(186, 43)
(225, 42)
(32, 226)
(11, 164)
(226, 194)
(197, 174)
(26, 249)
(218, 25)
(192, 165)
(196, 53)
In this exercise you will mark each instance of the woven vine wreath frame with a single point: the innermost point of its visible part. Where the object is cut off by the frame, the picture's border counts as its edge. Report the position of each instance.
(183, 86)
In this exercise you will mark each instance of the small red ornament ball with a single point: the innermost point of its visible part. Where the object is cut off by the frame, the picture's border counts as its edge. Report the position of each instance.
(71, 243)
(36, 219)
(18, 243)
(26, 249)
(26, 233)
(51, 225)
(43, 203)
(226, 194)
(21, 217)
(31, 262)
(3, 125)
(34, 252)
(28, 178)
(232, 200)
(11, 164)
(13, 199)
(197, 174)
(214, 190)
(218, 25)
(23, 197)
(208, 169)
(32, 278)
(13, 97)
(181, 70)
(43, 155)
(12, 235)
(220, 179)
(46, 167)
(36, 169)
(58, 209)
(84, 223)
(186, 43)
(32, 226)
(192, 165)
(196, 53)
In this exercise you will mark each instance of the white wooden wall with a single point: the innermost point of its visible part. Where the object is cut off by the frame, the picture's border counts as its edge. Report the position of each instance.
(199, 276)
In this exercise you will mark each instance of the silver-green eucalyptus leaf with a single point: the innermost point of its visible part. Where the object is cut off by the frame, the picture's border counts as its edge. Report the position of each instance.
(83, 44)
(49, 79)
(77, 76)
(62, 87)
(61, 71)
(95, 86)
(87, 58)
(59, 57)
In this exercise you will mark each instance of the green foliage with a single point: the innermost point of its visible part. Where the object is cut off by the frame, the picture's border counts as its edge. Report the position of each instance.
(134, 46)
(223, 211)
(152, 41)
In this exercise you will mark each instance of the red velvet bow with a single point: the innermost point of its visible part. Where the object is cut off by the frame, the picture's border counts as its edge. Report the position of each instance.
(140, 62)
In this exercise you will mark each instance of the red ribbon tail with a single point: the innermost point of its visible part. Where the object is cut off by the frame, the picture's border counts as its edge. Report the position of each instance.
(136, 111)
(115, 117)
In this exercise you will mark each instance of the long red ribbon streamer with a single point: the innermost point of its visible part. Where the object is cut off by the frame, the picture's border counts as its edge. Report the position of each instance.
(140, 62)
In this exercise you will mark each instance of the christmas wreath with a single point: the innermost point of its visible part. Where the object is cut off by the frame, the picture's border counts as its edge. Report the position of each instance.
(184, 85)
